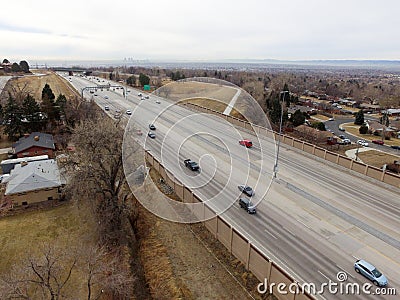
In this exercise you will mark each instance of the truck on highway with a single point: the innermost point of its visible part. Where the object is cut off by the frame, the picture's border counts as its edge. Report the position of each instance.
(190, 164)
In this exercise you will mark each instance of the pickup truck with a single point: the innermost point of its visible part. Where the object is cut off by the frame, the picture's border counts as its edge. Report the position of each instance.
(190, 164)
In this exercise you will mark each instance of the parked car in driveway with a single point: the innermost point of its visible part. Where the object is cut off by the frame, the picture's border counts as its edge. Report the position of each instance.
(369, 271)
(247, 205)
(246, 190)
(379, 142)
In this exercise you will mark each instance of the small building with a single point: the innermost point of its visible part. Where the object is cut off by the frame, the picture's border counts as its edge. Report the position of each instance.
(33, 182)
(8, 164)
(34, 144)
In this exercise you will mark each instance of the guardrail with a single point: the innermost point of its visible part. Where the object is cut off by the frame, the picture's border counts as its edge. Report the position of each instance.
(254, 259)
(370, 171)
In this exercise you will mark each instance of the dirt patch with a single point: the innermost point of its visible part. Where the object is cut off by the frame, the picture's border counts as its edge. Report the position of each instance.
(33, 84)
(377, 158)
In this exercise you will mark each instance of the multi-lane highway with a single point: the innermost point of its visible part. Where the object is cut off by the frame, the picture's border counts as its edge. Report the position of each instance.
(315, 220)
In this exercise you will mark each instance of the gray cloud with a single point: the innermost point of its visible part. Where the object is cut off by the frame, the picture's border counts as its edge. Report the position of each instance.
(208, 29)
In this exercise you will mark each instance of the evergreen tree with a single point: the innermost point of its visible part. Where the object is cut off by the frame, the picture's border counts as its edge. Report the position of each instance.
(14, 127)
(47, 93)
(15, 67)
(144, 79)
(31, 111)
(60, 104)
(298, 118)
(359, 120)
(24, 66)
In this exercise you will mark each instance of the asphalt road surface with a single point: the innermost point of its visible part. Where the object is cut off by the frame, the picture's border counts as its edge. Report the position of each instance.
(315, 220)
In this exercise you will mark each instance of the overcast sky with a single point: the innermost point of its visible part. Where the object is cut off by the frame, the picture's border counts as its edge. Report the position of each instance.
(200, 30)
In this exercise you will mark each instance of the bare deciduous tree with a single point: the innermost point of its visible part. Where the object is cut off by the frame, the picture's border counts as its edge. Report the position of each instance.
(42, 276)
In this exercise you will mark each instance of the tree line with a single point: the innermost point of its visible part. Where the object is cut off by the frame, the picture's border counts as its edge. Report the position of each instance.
(23, 66)
(26, 115)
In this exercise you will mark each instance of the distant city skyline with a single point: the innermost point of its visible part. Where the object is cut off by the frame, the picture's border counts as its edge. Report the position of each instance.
(200, 31)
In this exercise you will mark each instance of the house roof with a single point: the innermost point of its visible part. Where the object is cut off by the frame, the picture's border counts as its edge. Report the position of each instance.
(34, 175)
(38, 139)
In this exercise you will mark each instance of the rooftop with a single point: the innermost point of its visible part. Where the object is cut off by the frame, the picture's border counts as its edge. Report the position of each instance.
(34, 175)
(38, 139)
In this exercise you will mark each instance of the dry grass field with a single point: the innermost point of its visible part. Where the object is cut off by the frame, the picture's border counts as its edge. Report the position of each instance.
(69, 227)
(183, 90)
(377, 158)
(33, 84)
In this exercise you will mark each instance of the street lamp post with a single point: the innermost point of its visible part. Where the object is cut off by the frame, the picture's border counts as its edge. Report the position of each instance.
(280, 132)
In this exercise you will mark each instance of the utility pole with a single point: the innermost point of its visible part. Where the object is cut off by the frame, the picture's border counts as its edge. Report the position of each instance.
(280, 133)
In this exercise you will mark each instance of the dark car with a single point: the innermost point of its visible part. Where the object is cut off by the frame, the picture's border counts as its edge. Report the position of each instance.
(152, 127)
(191, 165)
(247, 205)
(246, 189)
(151, 135)
(395, 147)
(379, 142)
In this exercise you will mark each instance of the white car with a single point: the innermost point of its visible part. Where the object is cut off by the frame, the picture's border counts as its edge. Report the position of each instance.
(158, 101)
(129, 112)
(363, 143)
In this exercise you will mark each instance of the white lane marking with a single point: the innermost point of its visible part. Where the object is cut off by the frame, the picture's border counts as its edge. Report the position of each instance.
(344, 270)
(323, 275)
(303, 224)
(267, 231)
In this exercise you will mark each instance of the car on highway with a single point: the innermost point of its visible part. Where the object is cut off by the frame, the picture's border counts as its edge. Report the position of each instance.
(331, 119)
(190, 164)
(363, 143)
(341, 128)
(246, 143)
(152, 127)
(342, 136)
(151, 135)
(129, 112)
(142, 98)
(140, 94)
(147, 97)
(369, 271)
(105, 97)
(247, 205)
(106, 107)
(395, 147)
(378, 142)
(246, 190)
(158, 101)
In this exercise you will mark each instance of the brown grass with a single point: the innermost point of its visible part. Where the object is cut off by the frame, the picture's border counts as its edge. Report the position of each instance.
(67, 226)
(377, 158)
(35, 84)
(155, 260)
(214, 105)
